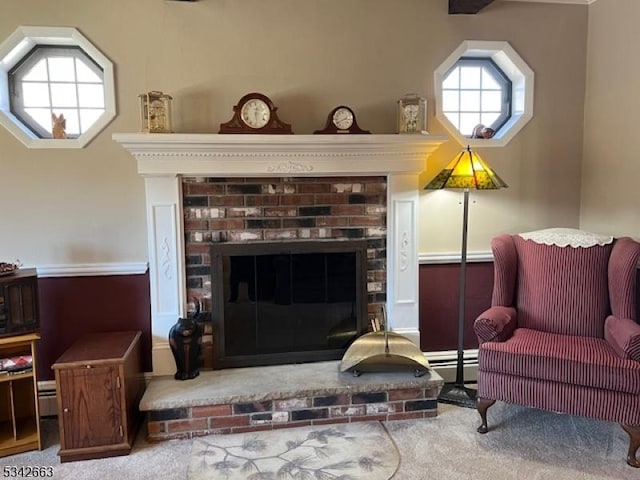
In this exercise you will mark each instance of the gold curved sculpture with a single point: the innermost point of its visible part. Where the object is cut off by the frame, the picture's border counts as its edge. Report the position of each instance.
(383, 351)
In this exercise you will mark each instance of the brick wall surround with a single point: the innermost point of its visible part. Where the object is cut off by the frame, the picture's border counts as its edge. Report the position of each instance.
(337, 407)
(284, 209)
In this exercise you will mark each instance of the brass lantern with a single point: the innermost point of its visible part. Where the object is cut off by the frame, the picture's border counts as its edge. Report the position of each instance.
(412, 114)
(155, 112)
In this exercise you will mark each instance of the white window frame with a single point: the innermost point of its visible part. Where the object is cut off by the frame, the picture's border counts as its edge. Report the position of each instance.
(522, 83)
(19, 44)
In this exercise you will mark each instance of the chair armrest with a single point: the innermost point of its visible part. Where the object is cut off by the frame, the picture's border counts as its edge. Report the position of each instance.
(623, 335)
(495, 324)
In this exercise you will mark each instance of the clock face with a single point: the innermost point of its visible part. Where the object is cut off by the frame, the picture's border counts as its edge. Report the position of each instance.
(411, 113)
(255, 113)
(343, 118)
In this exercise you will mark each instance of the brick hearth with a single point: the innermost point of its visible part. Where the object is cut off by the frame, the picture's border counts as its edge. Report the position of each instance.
(263, 398)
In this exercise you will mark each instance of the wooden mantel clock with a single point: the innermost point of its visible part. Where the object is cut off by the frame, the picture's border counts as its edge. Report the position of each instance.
(255, 113)
(341, 120)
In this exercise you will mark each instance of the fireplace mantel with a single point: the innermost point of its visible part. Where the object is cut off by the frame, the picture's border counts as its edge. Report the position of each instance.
(162, 159)
(277, 155)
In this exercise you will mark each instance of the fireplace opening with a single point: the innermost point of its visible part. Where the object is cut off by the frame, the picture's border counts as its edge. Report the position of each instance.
(287, 302)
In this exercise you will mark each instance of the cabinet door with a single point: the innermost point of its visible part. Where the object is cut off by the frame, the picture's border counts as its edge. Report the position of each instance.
(19, 306)
(91, 406)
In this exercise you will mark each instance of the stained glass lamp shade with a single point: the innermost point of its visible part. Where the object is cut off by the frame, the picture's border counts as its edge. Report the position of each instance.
(467, 170)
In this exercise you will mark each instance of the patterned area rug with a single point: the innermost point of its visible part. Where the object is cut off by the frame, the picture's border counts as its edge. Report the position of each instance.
(332, 452)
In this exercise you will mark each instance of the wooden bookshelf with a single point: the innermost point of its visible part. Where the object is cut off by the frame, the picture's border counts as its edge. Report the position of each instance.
(19, 416)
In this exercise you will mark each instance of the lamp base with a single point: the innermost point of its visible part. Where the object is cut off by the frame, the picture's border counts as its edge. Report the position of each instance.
(456, 394)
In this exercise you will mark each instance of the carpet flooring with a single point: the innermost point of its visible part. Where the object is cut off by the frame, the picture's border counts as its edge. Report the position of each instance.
(521, 444)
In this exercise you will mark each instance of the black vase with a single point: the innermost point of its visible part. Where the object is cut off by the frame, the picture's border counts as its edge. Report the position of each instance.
(185, 338)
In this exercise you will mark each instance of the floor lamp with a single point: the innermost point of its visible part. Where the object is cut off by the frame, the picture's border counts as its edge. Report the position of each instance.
(469, 172)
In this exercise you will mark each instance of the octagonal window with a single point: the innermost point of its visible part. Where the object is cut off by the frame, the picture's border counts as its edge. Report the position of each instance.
(484, 93)
(56, 88)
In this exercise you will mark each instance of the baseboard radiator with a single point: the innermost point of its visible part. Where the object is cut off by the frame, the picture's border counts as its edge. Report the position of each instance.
(47, 402)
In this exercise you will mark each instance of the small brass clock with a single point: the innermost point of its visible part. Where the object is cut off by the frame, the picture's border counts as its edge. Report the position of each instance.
(341, 119)
(412, 114)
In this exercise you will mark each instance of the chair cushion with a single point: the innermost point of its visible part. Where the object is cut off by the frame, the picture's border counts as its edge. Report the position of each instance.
(562, 289)
(586, 361)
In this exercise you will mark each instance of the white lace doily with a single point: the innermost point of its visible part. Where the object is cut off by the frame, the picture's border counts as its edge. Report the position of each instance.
(567, 237)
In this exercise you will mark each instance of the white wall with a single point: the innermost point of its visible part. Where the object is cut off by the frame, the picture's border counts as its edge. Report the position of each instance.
(83, 206)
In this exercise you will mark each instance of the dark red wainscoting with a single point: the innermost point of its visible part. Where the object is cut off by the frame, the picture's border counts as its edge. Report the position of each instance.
(439, 299)
(73, 306)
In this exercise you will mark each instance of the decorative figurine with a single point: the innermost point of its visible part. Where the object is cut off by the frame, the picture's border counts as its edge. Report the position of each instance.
(185, 339)
(481, 131)
(58, 126)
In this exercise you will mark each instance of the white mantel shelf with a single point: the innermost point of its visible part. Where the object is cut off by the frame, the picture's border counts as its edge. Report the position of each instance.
(268, 155)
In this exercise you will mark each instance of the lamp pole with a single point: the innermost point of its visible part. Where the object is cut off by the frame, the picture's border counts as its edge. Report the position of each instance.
(458, 394)
(463, 288)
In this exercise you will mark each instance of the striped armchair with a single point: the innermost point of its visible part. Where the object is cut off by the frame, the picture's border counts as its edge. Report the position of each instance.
(562, 332)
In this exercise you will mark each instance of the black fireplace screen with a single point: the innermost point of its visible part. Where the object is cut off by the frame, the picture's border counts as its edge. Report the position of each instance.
(276, 303)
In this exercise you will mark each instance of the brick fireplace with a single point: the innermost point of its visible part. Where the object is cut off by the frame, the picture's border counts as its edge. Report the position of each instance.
(203, 188)
(281, 211)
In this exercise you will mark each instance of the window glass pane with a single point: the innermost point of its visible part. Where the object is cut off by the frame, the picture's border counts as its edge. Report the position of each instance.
(62, 69)
(35, 94)
(489, 81)
(63, 95)
(470, 77)
(71, 118)
(53, 85)
(85, 74)
(452, 80)
(454, 118)
(91, 95)
(491, 101)
(469, 101)
(467, 122)
(489, 119)
(42, 117)
(88, 117)
(450, 100)
(38, 72)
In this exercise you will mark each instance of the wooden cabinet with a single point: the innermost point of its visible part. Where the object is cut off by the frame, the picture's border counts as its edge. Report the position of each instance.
(99, 383)
(19, 303)
(19, 418)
